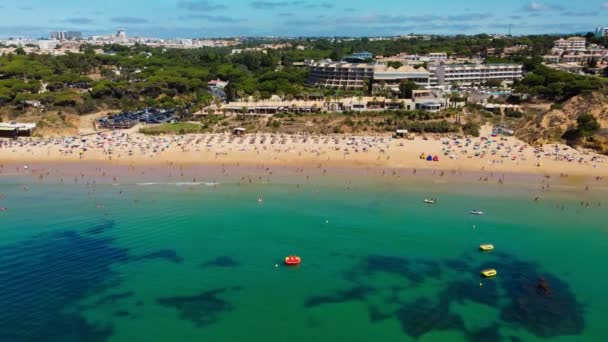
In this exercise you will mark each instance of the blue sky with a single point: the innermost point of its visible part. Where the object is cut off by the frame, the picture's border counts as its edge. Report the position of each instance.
(220, 18)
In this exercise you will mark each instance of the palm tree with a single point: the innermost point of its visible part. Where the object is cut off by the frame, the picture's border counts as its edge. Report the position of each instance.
(256, 98)
(205, 102)
(218, 103)
(338, 99)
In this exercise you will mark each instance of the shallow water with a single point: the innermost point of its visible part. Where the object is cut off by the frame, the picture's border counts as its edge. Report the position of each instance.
(183, 262)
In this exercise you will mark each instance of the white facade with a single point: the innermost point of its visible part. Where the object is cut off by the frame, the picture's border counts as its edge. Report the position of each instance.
(121, 36)
(437, 56)
(480, 73)
(340, 75)
(571, 44)
(343, 75)
(20, 42)
(392, 77)
(46, 45)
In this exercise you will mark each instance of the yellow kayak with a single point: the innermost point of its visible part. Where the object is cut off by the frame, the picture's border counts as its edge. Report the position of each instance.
(489, 273)
(486, 248)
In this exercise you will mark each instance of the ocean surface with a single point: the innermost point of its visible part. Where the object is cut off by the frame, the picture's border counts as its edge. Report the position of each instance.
(203, 262)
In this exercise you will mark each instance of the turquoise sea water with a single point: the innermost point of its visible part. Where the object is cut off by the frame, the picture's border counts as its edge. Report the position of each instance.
(197, 263)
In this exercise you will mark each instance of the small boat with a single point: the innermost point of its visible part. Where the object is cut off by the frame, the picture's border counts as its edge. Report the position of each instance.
(476, 212)
(430, 200)
(486, 247)
(489, 273)
(292, 260)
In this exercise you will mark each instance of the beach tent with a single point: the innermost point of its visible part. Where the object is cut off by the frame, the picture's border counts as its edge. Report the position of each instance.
(436, 158)
(429, 158)
(423, 156)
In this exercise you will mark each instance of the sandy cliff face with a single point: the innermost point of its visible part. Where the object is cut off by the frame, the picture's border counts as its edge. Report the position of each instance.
(550, 126)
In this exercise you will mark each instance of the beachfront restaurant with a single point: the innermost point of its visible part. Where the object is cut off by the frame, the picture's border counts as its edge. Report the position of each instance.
(15, 129)
(272, 107)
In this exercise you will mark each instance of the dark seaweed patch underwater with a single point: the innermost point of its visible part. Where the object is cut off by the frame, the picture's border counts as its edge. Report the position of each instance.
(43, 277)
(221, 262)
(545, 314)
(203, 308)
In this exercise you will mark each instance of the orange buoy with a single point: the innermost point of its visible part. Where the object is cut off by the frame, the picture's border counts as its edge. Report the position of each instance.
(292, 260)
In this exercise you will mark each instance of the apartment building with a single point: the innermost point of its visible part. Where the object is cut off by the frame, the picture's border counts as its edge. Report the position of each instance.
(433, 80)
(59, 35)
(571, 44)
(551, 59)
(437, 56)
(512, 50)
(582, 58)
(477, 73)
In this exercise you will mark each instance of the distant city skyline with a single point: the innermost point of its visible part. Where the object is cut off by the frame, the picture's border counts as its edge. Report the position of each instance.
(289, 18)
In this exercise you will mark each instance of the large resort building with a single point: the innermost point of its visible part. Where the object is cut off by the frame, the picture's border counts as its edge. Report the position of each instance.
(467, 74)
(354, 76)
(391, 77)
(351, 76)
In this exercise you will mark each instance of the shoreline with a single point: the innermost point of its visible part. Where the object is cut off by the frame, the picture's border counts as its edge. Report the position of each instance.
(487, 159)
(348, 177)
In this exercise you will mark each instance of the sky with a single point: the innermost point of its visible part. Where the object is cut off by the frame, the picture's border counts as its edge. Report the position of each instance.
(224, 18)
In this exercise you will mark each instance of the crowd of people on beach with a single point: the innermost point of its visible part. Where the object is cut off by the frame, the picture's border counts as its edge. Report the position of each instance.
(492, 150)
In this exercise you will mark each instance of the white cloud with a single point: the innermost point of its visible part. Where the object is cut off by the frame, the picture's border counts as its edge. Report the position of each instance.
(537, 6)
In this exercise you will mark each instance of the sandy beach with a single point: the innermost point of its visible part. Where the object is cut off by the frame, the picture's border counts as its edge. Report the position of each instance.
(449, 153)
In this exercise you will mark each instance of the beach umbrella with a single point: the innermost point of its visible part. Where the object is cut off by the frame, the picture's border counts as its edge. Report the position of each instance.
(436, 158)
(429, 158)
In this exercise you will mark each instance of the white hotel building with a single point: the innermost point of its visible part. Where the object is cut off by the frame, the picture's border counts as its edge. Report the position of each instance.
(341, 75)
(466, 74)
(353, 76)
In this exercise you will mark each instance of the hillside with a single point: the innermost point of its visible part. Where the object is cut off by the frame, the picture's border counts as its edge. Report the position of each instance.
(550, 126)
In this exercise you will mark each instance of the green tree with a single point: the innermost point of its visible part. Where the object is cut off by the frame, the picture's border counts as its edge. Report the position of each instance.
(395, 65)
(406, 88)
(586, 126)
